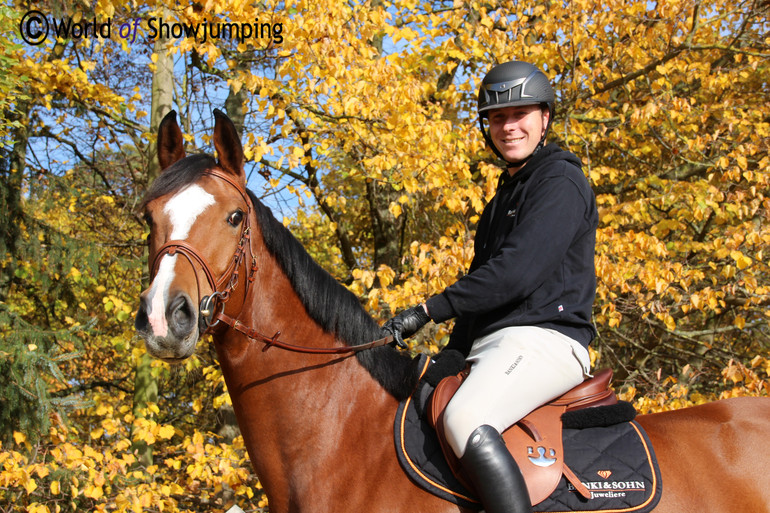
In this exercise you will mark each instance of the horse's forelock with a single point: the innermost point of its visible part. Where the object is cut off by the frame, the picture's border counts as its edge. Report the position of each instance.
(180, 174)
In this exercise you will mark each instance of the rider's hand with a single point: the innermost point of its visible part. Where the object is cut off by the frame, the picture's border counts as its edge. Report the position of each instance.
(406, 324)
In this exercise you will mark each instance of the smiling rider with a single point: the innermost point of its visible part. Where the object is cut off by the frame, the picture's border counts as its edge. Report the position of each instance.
(523, 311)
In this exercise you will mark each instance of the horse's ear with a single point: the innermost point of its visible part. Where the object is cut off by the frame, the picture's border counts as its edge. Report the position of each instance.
(227, 142)
(170, 141)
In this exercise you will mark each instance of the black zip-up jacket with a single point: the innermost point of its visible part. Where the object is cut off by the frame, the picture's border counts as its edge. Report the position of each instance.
(534, 256)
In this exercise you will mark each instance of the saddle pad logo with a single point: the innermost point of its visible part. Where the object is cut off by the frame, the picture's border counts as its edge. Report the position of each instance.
(605, 473)
(611, 489)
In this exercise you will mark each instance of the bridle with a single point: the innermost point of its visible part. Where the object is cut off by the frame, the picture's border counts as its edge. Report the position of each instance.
(212, 307)
(223, 287)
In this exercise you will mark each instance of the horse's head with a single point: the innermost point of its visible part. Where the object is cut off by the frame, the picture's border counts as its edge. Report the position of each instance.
(199, 215)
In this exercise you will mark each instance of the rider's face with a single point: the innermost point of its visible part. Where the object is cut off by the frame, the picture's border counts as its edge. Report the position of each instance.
(517, 130)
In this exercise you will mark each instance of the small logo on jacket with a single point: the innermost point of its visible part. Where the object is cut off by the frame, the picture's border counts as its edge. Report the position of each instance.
(561, 308)
(511, 212)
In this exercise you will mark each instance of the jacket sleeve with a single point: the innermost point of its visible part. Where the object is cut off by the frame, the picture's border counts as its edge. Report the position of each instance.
(554, 212)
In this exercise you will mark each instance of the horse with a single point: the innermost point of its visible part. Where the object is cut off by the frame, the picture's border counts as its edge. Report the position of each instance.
(313, 385)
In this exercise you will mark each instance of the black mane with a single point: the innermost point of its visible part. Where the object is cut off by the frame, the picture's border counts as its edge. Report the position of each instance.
(328, 303)
(335, 308)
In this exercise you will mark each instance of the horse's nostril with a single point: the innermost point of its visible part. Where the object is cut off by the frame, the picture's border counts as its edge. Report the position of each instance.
(181, 316)
(142, 322)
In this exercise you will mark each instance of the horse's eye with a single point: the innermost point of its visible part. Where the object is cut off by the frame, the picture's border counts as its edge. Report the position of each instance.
(148, 220)
(235, 218)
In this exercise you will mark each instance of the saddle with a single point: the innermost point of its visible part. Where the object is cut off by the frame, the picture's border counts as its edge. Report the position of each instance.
(535, 442)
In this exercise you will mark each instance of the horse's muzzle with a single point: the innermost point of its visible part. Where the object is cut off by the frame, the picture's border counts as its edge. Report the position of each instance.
(173, 335)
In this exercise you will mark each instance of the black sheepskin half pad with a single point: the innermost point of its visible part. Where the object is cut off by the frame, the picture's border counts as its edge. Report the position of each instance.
(446, 363)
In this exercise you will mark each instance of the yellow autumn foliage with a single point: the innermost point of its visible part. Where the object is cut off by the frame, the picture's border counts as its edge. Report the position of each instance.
(360, 131)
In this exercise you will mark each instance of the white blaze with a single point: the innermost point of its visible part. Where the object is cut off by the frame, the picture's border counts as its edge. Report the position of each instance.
(183, 209)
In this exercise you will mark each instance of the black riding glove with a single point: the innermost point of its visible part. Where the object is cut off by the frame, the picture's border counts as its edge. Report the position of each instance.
(406, 324)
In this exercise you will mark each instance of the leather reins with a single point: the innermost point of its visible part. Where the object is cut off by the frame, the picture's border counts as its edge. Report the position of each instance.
(212, 307)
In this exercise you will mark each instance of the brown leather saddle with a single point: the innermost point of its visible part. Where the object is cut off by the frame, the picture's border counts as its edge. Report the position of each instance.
(535, 442)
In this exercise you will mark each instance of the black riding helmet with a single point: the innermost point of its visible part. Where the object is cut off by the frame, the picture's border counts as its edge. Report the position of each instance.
(514, 83)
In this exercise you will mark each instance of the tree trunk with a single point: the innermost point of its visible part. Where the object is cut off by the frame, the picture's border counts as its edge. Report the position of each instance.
(145, 384)
(11, 213)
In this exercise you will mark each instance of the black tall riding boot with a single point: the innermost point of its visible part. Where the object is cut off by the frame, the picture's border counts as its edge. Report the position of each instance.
(494, 473)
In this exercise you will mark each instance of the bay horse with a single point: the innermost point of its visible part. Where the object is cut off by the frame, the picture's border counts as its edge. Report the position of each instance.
(317, 420)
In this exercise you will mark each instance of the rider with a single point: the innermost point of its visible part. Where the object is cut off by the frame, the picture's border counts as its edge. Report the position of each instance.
(524, 308)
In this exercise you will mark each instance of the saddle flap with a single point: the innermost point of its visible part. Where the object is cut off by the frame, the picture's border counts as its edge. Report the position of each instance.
(442, 394)
(536, 445)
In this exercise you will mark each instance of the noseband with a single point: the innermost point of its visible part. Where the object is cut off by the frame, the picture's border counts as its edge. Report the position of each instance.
(212, 307)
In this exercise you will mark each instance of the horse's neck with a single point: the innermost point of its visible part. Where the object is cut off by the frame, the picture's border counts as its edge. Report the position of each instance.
(298, 412)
